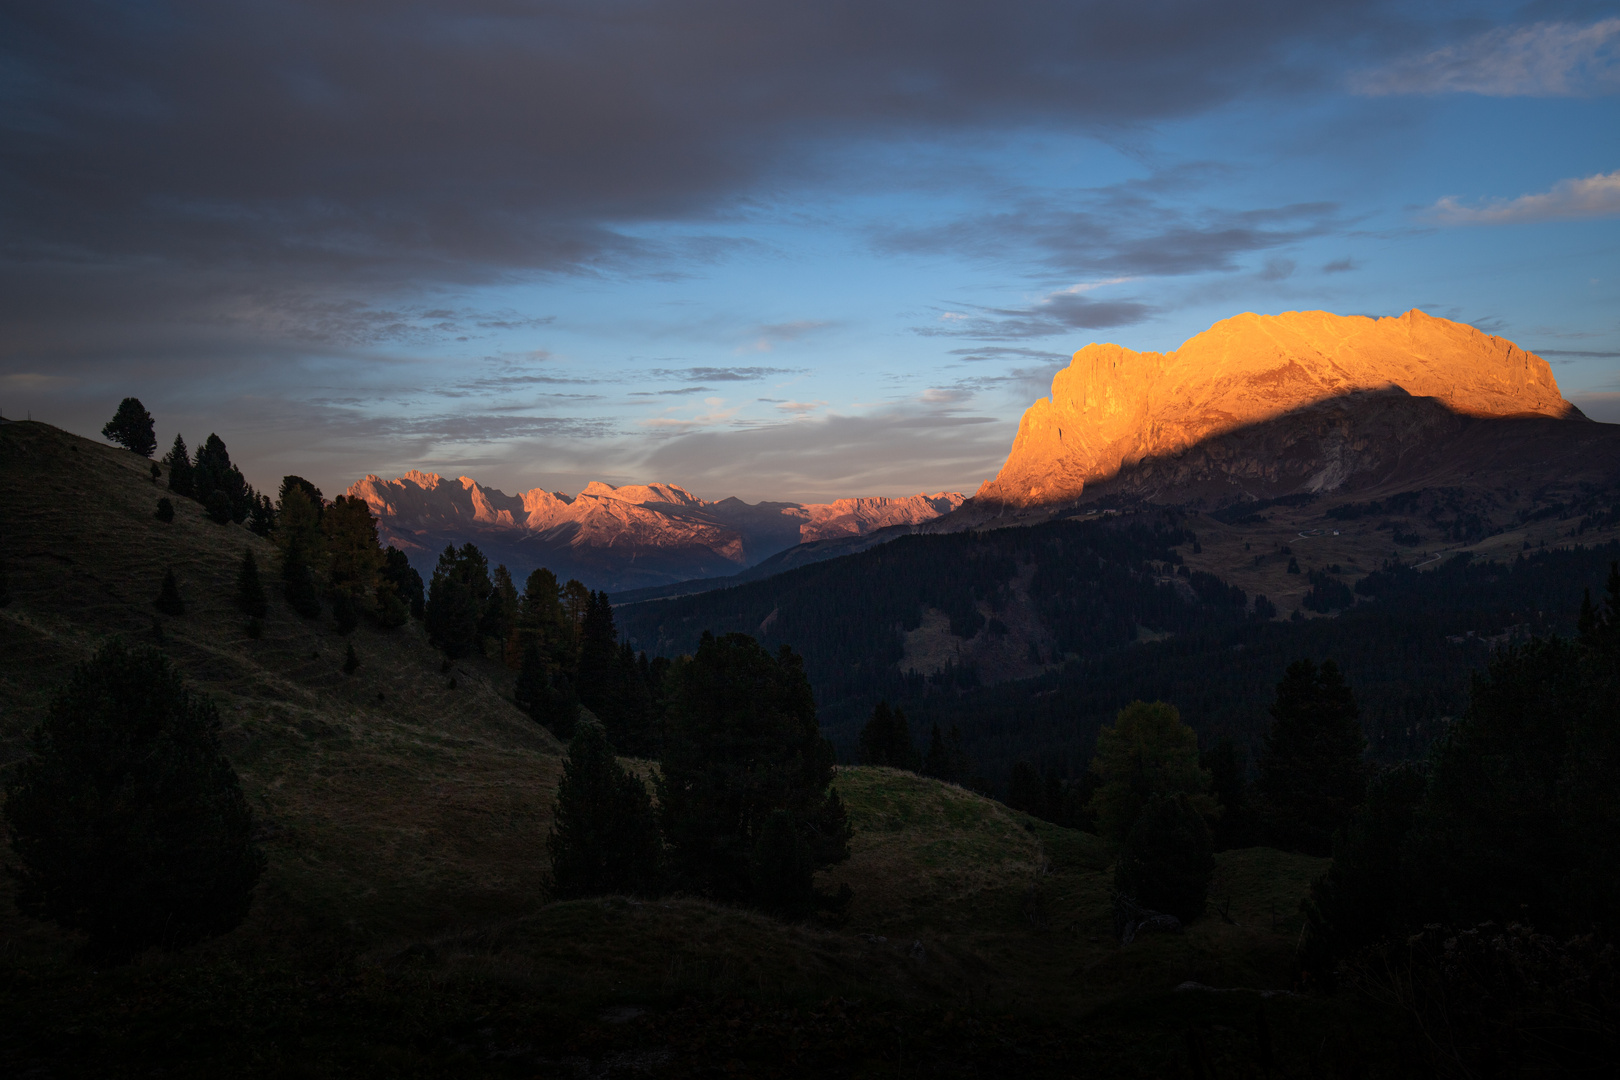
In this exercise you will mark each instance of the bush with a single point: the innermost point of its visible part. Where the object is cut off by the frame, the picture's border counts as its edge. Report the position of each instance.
(168, 600)
(249, 589)
(131, 428)
(604, 837)
(1167, 861)
(219, 506)
(126, 817)
(165, 510)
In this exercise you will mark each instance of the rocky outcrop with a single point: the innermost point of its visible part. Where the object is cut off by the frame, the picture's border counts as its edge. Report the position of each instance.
(617, 537)
(1329, 392)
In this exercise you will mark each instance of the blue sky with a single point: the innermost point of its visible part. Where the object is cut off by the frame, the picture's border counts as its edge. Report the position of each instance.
(758, 249)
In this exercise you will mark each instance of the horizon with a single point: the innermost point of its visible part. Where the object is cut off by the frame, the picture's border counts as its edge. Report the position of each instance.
(769, 253)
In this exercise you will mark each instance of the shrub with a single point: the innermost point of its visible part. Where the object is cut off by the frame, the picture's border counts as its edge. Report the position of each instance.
(127, 819)
(604, 837)
(131, 428)
(1166, 861)
(249, 589)
(168, 600)
(165, 510)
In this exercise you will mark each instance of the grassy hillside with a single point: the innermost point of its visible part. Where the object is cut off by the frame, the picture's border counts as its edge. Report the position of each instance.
(401, 928)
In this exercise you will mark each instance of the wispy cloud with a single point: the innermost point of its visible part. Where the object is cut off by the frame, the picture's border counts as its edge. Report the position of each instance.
(1551, 59)
(1588, 197)
(799, 408)
(721, 374)
(1060, 312)
(770, 335)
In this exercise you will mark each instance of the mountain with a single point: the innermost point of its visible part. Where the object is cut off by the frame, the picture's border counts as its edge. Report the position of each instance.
(1258, 406)
(618, 538)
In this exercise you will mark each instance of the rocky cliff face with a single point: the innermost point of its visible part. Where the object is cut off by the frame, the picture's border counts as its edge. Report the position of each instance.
(617, 538)
(1323, 398)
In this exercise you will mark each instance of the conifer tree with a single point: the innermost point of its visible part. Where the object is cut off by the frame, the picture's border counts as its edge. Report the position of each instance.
(456, 599)
(262, 515)
(1311, 776)
(501, 609)
(218, 505)
(946, 759)
(782, 877)
(168, 600)
(1166, 861)
(178, 462)
(156, 472)
(351, 660)
(131, 428)
(1147, 751)
(533, 681)
(249, 589)
(407, 582)
(127, 818)
(741, 742)
(298, 584)
(886, 739)
(354, 557)
(165, 510)
(604, 837)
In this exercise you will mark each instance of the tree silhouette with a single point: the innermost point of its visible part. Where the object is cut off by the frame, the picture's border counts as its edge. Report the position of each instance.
(126, 817)
(604, 837)
(131, 428)
(1311, 776)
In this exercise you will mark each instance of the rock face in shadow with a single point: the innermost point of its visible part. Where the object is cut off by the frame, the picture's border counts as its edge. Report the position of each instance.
(1317, 400)
(617, 538)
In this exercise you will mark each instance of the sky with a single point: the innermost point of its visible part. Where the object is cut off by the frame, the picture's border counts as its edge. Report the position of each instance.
(772, 250)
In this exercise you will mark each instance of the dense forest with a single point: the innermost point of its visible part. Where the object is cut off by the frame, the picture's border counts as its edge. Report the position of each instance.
(1409, 645)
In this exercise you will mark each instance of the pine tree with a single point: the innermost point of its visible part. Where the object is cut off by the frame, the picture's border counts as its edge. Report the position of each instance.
(165, 510)
(178, 462)
(604, 837)
(262, 516)
(456, 599)
(741, 742)
(168, 600)
(1147, 751)
(131, 428)
(249, 589)
(886, 739)
(407, 582)
(1311, 776)
(351, 661)
(127, 819)
(1166, 861)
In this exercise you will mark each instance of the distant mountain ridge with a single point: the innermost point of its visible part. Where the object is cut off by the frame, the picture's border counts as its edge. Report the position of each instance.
(617, 538)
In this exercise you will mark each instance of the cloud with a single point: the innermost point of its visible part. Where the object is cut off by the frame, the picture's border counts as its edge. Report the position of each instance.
(1588, 197)
(798, 408)
(1550, 59)
(721, 374)
(1579, 353)
(1060, 312)
(1121, 232)
(768, 336)
(1340, 266)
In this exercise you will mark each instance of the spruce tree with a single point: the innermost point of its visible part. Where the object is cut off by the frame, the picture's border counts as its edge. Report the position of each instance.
(178, 462)
(407, 582)
(165, 510)
(456, 599)
(1166, 861)
(1311, 776)
(131, 428)
(168, 600)
(741, 742)
(249, 589)
(886, 739)
(127, 819)
(604, 837)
